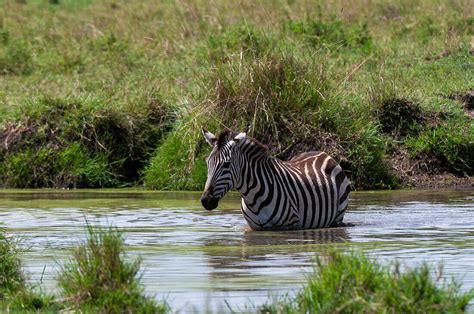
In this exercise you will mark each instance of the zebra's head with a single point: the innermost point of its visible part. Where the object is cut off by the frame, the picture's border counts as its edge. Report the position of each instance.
(221, 166)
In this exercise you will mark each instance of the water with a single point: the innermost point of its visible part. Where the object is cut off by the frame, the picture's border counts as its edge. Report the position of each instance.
(201, 261)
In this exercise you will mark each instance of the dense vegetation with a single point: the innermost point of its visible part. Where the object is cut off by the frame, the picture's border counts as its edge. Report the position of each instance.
(113, 93)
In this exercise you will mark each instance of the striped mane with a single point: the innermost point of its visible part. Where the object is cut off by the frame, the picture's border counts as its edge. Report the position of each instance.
(227, 135)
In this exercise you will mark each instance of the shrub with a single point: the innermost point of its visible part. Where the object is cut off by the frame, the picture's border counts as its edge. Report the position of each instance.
(451, 143)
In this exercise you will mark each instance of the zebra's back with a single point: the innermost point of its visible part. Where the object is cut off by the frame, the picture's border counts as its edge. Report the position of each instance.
(309, 191)
(321, 189)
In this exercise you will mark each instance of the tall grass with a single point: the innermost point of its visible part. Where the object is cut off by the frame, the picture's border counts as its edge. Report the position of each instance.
(101, 278)
(353, 283)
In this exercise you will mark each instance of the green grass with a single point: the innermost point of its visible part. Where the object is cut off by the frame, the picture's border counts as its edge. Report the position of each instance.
(11, 277)
(108, 94)
(101, 278)
(353, 283)
(15, 295)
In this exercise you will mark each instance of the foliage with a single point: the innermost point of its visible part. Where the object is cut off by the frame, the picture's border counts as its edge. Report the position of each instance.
(78, 143)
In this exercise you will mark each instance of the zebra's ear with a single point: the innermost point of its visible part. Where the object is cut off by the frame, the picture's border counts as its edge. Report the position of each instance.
(210, 138)
(240, 137)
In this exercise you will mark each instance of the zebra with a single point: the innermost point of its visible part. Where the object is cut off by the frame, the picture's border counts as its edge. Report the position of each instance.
(307, 192)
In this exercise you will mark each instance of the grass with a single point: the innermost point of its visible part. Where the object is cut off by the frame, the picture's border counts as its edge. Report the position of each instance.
(11, 277)
(354, 283)
(15, 295)
(113, 93)
(100, 277)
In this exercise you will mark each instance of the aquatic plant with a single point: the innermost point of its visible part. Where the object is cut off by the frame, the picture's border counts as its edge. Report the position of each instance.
(100, 277)
(354, 283)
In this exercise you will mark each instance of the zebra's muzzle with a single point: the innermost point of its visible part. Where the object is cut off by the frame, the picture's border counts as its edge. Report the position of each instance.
(209, 203)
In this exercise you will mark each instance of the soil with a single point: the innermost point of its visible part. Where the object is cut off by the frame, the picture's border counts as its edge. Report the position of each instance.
(467, 100)
(422, 173)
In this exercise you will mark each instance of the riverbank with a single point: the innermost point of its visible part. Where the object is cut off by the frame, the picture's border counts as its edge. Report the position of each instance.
(113, 94)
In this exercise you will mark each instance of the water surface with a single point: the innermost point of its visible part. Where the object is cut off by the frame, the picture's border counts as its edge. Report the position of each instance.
(200, 260)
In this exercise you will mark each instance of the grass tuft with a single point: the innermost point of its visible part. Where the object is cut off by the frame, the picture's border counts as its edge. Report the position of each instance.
(100, 277)
(353, 283)
(12, 278)
(15, 295)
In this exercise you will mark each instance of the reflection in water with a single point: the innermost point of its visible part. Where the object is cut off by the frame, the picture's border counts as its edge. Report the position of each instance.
(267, 251)
(203, 259)
(313, 236)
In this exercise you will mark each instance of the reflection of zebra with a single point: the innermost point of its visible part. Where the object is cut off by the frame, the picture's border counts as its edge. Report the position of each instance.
(249, 251)
(309, 191)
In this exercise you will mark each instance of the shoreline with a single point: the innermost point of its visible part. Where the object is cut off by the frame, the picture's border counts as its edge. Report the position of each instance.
(445, 181)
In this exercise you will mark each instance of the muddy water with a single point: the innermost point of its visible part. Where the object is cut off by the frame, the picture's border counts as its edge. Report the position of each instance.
(202, 261)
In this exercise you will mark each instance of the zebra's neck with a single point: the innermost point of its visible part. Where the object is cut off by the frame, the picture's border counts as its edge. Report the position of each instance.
(254, 177)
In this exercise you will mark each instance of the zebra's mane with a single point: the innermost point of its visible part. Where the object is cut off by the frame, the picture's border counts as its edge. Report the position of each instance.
(227, 135)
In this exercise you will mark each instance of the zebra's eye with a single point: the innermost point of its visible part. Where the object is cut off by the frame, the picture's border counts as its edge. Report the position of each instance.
(226, 164)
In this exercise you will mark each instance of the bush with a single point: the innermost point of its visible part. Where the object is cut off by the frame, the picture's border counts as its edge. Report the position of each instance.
(451, 143)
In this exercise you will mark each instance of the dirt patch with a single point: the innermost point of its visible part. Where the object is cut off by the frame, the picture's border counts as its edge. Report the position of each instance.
(400, 117)
(443, 180)
(467, 100)
(424, 173)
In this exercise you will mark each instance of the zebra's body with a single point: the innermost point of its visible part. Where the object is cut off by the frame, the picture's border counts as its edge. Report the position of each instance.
(309, 191)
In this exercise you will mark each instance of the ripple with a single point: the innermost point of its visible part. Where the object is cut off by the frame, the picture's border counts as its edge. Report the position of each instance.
(207, 258)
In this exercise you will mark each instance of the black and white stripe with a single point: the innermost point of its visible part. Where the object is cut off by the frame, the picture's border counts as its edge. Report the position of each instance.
(308, 191)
